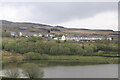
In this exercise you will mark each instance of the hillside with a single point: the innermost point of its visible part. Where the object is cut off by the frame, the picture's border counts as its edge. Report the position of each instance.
(44, 28)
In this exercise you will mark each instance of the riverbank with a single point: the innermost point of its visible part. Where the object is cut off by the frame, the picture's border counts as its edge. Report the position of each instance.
(82, 59)
(6, 78)
(85, 59)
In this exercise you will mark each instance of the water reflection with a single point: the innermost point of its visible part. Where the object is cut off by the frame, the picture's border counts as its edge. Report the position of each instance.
(63, 69)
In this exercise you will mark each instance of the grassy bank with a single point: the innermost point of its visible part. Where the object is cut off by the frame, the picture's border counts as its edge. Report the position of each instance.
(9, 57)
(86, 59)
(82, 59)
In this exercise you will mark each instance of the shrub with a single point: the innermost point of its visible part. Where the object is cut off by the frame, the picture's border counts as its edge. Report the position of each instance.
(100, 52)
(32, 70)
(32, 55)
(35, 56)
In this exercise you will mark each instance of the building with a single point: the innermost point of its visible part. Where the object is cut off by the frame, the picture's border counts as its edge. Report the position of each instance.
(14, 34)
(50, 35)
(20, 34)
(40, 35)
(85, 37)
(28, 34)
(63, 37)
(56, 38)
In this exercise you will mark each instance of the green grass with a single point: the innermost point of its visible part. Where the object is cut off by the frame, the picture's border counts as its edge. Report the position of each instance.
(85, 59)
(6, 55)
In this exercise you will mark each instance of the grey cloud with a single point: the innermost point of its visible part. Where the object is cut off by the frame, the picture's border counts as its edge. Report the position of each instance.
(58, 12)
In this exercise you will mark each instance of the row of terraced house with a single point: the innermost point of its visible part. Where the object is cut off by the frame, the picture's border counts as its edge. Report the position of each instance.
(64, 37)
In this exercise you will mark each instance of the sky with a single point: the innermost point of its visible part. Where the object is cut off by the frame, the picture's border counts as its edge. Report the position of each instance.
(90, 15)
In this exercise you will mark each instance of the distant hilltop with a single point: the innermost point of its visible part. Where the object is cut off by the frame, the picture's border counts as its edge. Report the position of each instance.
(44, 28)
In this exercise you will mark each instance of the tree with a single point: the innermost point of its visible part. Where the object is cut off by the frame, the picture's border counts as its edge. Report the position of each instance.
(54, 50)
(48, 31)
(32, 70)
(100, 52)
(32, 55)
(33, 39)
(89, 51)
(6, 34)
(58, 41)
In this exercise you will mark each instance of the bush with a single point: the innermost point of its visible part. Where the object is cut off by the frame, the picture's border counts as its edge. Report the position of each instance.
(34, 39)
(32, 55)
(51, 47)
(6, 34)
(35, 56)
(100, 52)
(43, 57)
(88, 51)
(32, 70)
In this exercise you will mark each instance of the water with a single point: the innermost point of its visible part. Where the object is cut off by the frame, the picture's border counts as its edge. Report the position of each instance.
(75, 70)
(92, 71)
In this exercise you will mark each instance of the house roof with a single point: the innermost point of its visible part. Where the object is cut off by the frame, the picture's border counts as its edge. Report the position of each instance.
(88, 36)
(29, 33)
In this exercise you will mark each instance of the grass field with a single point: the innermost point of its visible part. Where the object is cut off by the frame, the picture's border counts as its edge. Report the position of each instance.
(9, 57)
(85, 59)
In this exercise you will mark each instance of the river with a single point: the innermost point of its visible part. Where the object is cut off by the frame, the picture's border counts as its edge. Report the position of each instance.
(76, 70)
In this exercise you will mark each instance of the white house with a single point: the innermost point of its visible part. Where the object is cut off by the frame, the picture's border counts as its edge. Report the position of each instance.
(56, 38)
(63, 37)
(35, 35)
(14, 34)
(40, 35)
(20, 34)
(50, 35)
(109, 38)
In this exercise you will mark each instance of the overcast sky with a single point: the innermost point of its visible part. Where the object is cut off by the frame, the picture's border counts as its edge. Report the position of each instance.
(91, 15)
